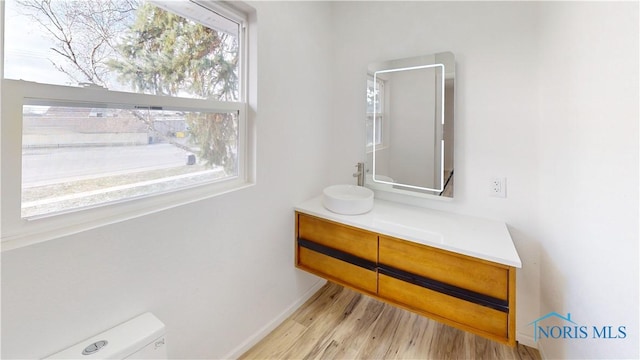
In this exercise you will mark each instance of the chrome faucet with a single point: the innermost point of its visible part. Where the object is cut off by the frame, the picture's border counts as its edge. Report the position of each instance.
(359, 173)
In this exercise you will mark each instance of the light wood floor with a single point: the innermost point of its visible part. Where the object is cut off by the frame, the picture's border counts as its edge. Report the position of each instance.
(338, 323)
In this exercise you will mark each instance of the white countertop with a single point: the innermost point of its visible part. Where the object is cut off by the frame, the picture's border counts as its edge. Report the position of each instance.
(481, 238)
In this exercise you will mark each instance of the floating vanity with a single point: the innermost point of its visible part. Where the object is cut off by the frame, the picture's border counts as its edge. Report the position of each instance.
(456, 269)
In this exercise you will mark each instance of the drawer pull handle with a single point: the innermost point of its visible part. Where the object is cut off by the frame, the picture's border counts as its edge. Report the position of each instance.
(341, 255)
(451, 290)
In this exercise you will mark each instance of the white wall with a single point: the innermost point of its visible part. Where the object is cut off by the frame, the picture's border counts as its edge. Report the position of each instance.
(547, 96)
(588, 172)
(215, 271)
(412, 122)
(531, 106)
(496, 107)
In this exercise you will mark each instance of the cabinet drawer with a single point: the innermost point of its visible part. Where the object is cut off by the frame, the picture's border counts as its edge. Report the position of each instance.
(444, 308)
(338, 271)
(458, 270)
(360, 243)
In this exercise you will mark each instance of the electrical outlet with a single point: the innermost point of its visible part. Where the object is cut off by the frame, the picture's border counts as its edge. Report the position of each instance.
(498, 187)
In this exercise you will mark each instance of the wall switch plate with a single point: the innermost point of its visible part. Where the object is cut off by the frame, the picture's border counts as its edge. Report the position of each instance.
(498, 187)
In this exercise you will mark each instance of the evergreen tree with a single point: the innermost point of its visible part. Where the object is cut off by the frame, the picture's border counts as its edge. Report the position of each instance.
(166, 54)
(155, 52)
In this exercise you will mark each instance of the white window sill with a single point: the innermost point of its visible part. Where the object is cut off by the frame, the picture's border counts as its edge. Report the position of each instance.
(30, 232)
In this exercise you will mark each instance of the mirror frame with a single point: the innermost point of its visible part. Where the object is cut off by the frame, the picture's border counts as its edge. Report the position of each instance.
(445, 61)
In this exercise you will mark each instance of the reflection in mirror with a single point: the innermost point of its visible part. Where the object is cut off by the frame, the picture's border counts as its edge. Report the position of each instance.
(409, 124)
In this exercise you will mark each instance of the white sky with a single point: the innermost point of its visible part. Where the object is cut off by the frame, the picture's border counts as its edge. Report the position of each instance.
(27, 49)
(26, 52)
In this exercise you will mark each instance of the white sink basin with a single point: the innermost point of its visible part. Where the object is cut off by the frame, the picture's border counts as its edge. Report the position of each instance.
(348, 199)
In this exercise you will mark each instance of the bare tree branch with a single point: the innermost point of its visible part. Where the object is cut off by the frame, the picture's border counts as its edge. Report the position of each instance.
(84, 33)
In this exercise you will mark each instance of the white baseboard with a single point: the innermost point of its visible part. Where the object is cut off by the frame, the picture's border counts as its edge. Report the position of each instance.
(522, 338)
(526, 339)
(543, 356)
(269, 327)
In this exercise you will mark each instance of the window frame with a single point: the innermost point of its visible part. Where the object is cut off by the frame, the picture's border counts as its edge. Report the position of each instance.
(17, 232)
(377, 119)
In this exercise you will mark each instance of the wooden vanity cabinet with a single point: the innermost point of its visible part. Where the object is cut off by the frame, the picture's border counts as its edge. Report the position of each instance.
(462, 291)
(339, 253)
(466, 292)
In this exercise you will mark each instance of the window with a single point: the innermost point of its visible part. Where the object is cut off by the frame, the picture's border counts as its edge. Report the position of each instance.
(120, 100)
(375, 113)
(75, 157)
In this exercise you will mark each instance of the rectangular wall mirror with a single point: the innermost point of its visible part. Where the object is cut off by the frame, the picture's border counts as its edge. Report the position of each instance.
(410, 108)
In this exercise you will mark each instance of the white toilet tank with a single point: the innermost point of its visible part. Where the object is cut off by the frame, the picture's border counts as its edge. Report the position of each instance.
(142, 337)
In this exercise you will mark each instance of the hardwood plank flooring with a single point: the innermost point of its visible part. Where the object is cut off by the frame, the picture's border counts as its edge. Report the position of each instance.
(338, 323)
